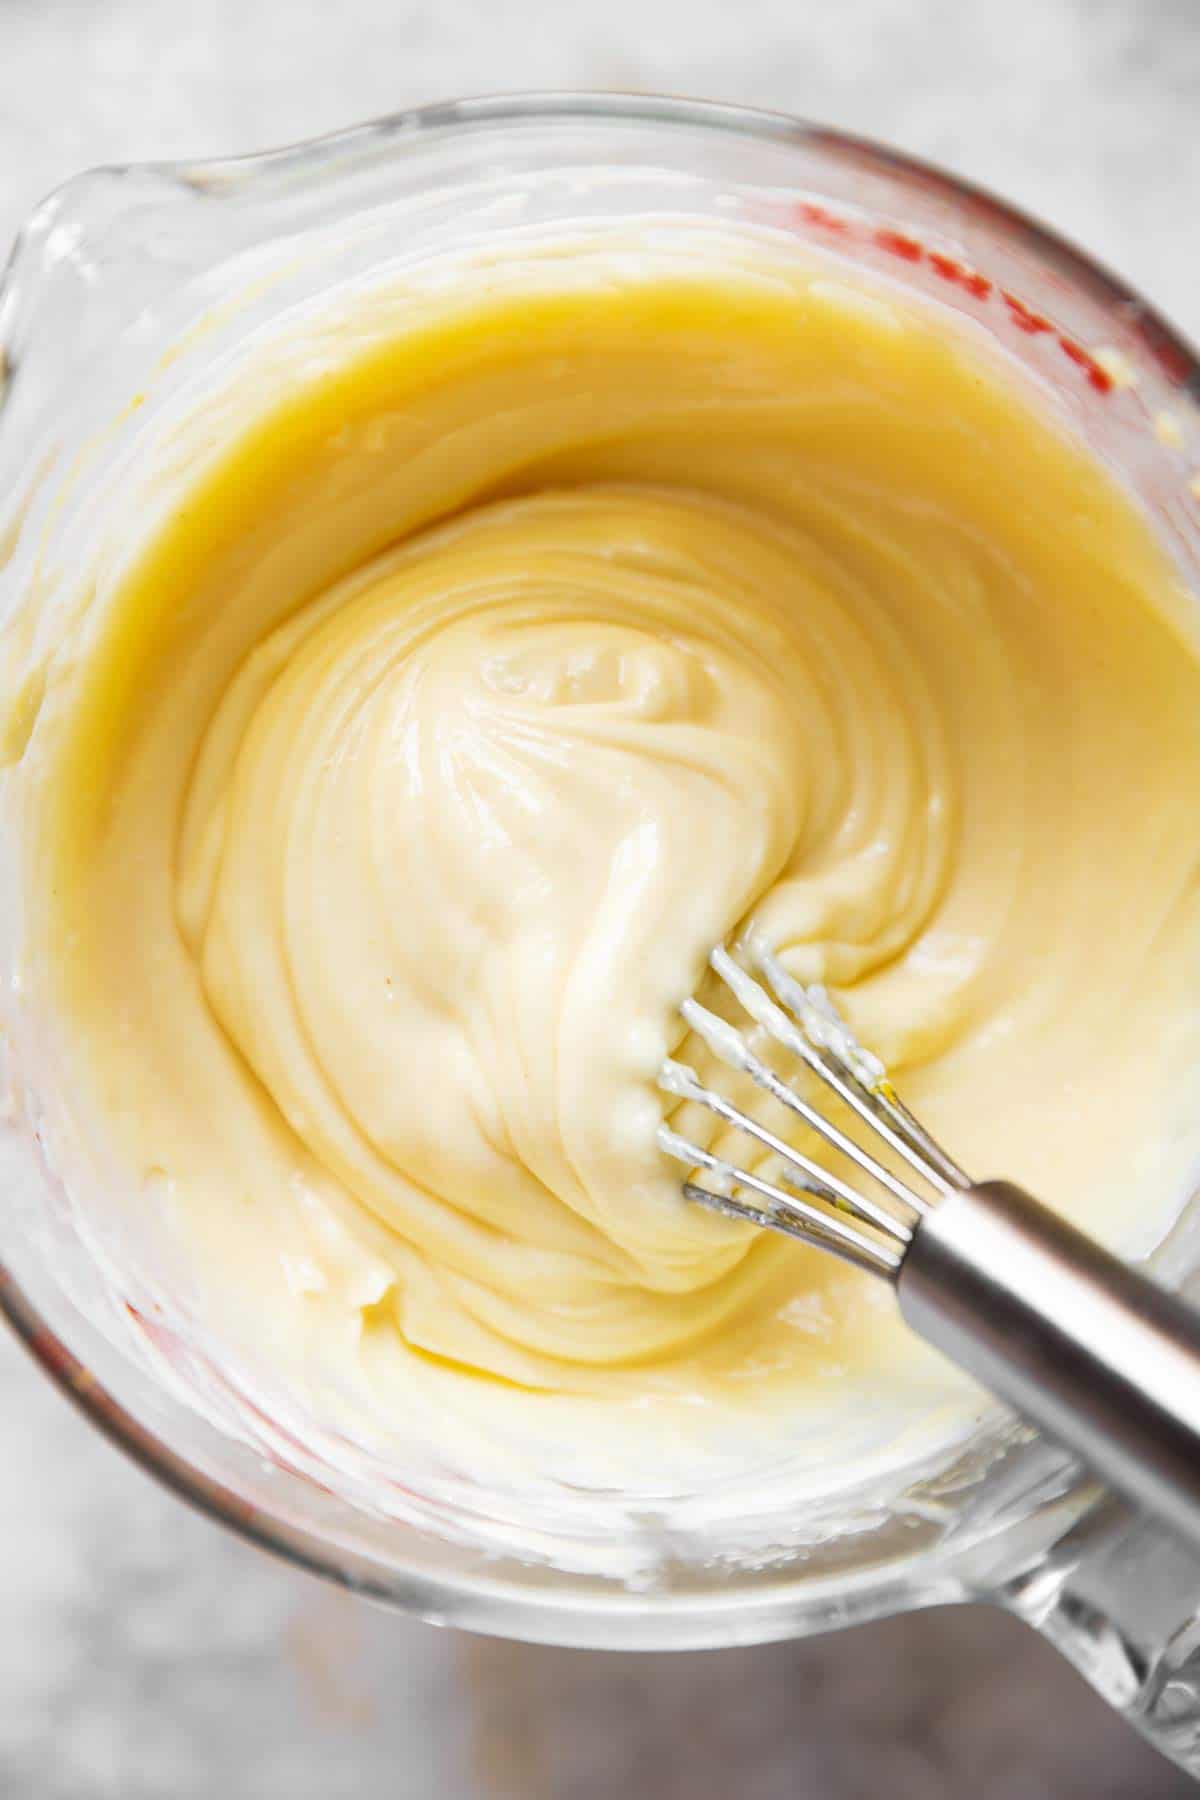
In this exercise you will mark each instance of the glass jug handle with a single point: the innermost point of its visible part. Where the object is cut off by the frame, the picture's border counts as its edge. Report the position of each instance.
(1119, 1596)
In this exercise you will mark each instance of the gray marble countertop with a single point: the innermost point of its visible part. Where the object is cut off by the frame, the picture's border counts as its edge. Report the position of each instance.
(146, 1655)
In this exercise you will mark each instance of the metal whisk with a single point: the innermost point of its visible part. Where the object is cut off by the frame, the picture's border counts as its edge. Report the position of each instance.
(1097, 1354)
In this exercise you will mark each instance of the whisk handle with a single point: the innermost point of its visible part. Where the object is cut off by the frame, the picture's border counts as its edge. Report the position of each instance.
(1096, 1354)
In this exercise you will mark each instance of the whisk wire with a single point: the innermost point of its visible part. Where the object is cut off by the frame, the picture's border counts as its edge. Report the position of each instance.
(815, 1204)
(678, 1079)
(789, 1213)
(876, 1259)
(839, 1060)
(732, 1048)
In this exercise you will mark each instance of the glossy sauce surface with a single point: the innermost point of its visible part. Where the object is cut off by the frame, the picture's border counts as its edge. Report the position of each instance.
(506, 643)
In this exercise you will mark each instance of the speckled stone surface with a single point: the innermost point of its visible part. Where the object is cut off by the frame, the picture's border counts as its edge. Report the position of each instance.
(144, 1654)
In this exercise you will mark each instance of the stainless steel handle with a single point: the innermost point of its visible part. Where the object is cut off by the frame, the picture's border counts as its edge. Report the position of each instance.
(1099, 1356)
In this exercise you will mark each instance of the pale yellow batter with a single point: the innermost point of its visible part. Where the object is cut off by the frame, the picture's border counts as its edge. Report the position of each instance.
(506, 643)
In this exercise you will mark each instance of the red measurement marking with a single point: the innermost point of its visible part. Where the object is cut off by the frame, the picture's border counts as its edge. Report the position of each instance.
(820, 215)
(897, 244)
(1099, 378)
(1023, 317)
(948, 268)
(153, 1330)
(958, 273)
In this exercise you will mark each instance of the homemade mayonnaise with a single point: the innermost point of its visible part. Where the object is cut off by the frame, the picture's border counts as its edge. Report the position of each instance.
(500, 645)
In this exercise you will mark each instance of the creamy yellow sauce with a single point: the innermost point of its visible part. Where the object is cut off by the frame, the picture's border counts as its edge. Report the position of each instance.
(502, 645)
